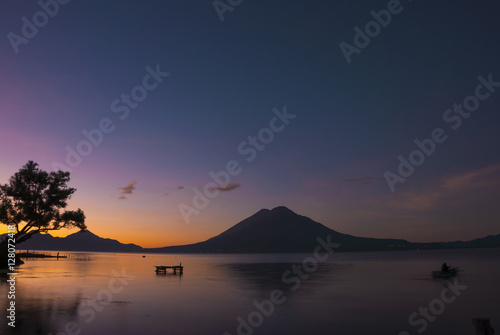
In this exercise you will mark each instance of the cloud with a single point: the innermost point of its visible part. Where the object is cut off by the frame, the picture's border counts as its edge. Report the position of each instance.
(478, 186)
(361, 180)
(228, 188)
(178, 188)
(364, 183)
(480, 178)
(129, 189)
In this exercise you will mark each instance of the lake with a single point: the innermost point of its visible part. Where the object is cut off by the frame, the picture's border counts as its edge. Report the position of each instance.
(348, 293)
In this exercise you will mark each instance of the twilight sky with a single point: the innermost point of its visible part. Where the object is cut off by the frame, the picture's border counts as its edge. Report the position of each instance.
(294, 105)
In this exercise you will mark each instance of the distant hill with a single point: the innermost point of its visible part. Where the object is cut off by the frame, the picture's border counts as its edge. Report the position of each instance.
(81, 241)
(490, 241)
(282, 230)
(267, 231)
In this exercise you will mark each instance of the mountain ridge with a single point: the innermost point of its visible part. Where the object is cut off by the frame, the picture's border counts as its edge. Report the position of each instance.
(277, 230)
(79, 241)
(282, 230)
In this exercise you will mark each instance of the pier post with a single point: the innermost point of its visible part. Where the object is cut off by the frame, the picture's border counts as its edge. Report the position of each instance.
(482, 326)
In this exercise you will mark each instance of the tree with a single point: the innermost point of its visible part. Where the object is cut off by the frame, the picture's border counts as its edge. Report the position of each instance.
(34, 201)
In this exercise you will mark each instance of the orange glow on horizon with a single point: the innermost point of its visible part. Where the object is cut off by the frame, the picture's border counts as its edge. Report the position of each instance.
(145, 240)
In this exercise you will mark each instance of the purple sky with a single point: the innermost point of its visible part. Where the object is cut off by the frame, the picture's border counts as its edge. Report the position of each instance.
(176, 93)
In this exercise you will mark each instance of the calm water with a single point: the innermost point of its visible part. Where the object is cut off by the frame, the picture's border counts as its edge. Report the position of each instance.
(351, 293)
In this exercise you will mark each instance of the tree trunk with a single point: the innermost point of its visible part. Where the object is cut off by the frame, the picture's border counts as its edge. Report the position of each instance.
(4, 255)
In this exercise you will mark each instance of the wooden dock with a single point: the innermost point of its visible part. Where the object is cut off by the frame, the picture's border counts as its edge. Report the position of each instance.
(163, 268)
(28, 254)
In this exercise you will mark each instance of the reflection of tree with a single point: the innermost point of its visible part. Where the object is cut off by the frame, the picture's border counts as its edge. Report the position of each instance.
(35, 314)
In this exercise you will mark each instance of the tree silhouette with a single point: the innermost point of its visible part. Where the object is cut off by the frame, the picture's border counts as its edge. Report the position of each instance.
(33, 201)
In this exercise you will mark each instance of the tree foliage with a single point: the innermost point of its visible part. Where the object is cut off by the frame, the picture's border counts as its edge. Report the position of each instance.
(34, 201)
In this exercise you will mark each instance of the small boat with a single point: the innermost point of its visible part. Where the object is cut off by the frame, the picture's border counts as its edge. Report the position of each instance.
(445, 274)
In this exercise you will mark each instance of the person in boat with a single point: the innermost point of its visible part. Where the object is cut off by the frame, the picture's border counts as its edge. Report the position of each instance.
(445, 267)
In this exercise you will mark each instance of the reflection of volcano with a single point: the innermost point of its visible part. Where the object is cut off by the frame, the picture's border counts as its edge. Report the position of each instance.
(269, 276)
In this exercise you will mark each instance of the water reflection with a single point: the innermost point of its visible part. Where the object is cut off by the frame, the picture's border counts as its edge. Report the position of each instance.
(353, 294)
(39, 312)
(266, 277)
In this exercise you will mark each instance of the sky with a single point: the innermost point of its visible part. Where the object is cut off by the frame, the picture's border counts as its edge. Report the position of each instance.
(375, 118)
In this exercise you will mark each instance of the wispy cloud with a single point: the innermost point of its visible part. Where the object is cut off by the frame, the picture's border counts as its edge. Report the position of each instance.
(455, 190)
(479, 178)
(129, 189)
(364, 182)
(361, 180)
(178, 188)
(228, 188)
